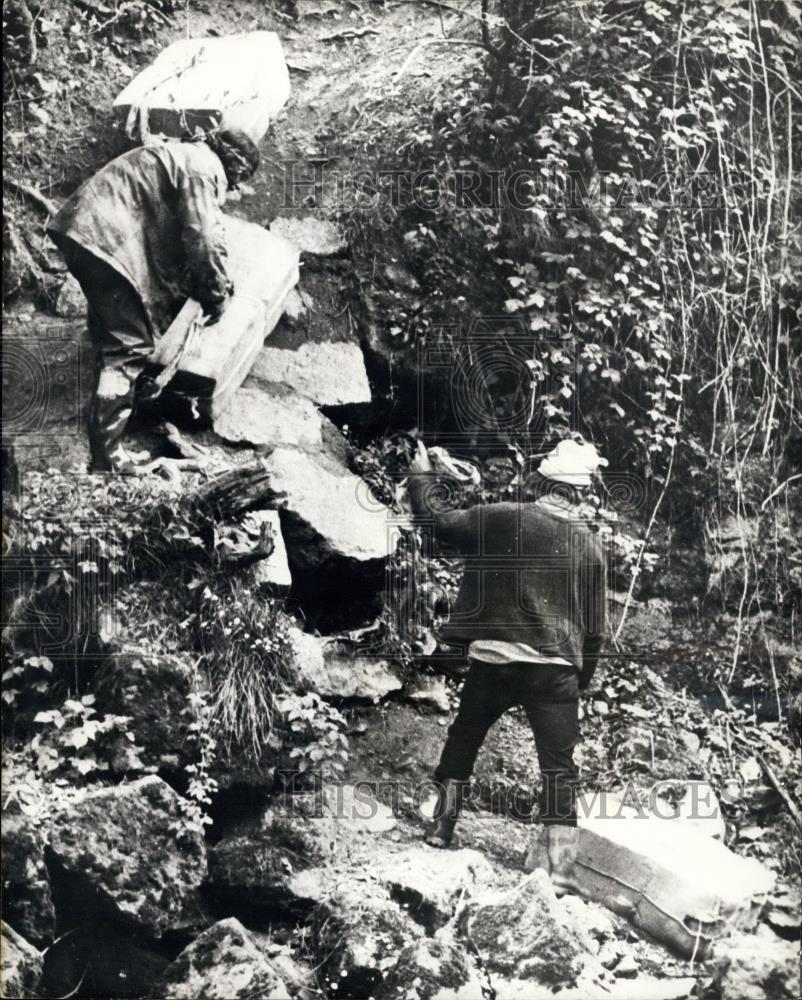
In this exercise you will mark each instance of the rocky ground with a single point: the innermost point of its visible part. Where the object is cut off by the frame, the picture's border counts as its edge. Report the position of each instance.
(146, 855)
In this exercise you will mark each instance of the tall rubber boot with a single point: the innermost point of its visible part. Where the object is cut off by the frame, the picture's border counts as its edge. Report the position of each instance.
(109, 415)
(450, 796)
(555, 850)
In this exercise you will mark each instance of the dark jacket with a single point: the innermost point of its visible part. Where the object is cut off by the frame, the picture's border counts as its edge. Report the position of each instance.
(532, 574)
(154, 215)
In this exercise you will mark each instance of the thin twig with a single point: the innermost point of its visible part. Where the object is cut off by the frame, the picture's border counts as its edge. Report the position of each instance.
(774, 781)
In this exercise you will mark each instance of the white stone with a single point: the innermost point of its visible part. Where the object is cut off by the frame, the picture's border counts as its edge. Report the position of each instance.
(273, 571)
(329, 374)
(265, 415)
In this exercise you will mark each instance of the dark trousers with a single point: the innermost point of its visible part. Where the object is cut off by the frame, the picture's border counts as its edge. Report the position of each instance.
(549, 694)
(121, 331)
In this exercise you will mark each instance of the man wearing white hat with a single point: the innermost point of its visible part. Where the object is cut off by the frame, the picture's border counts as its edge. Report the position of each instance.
(531, 611)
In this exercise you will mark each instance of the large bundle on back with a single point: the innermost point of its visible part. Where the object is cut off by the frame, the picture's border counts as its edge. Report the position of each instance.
(239, 81)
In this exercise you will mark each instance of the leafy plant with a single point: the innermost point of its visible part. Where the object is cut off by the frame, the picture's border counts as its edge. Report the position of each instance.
(315, 732)
(246, 645)
(78, 743)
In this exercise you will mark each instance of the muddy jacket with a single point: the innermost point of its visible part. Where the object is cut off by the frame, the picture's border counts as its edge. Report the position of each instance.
(154, 215)
(532, 575)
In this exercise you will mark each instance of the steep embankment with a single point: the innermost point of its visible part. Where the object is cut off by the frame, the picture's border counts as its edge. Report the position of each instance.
(186, 735)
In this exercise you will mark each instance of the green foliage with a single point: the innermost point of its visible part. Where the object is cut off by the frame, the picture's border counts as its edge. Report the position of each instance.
(314, 731)
(201, 786)
(78, 743)
(246, 644)
(633, 217)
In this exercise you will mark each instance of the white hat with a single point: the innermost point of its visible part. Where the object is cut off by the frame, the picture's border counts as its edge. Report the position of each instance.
(572, 462)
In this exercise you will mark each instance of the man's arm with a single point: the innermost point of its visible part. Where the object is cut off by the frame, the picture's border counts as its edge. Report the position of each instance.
(204, 241)
(428, 496)
(593, 590)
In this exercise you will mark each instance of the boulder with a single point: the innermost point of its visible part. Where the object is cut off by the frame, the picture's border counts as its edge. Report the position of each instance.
(330, 513)
(310, 234)
(254, 865)
(132, 849)
(338, 537)
(71, 301)
(759, 966)
(429, 883)
(432, 968)
(334, 670)
(224, 963)
(27, 900)
(270, 415)
(329, 374)
(524, 933)
(154, 689)
(359, 934)
(22, 965)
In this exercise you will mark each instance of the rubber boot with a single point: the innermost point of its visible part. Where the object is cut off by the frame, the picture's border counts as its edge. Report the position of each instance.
(562, 845)
(555, 850)
(450, 796)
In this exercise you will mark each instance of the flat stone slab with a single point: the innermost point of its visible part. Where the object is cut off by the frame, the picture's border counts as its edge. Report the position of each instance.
(329, 374)
(668, 876)
(270, 416)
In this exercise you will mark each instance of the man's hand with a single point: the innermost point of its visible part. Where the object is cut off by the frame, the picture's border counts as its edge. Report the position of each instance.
(212, 311)
(421, 463)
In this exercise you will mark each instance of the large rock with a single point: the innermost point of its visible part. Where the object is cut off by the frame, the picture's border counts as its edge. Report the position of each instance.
(21, 963)
(338, 537)
(759, 966)
(432, 969)
(360, 932)
(334, 669)
(224, 963)
(154, 689)
(430, 883)
(330, 513)
(272, 416)
(329, 374)
(523, 933)
(255, 865)
(132, 847)
(27, 900)
(266, 414)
